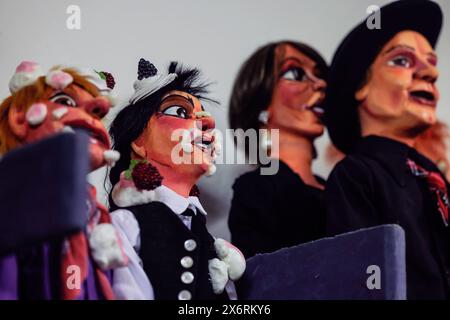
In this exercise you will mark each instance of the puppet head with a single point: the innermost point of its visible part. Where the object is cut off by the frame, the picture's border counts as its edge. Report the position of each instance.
(164, 132)
(64, 100)
(381, 81)
(281, 86)
(400, 97)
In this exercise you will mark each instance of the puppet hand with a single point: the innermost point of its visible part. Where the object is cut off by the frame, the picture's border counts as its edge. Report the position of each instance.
(218, 271)
(105, 247)
(232, 256)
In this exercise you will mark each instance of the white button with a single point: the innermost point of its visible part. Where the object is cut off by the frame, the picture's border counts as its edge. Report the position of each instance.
(187, 262)
(184, 295)
(187, 277)
(190, 245)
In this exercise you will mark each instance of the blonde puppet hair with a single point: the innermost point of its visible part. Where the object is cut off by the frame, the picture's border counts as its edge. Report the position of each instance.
(21, 100)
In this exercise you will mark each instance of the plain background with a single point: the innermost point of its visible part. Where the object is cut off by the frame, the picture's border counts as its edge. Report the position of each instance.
(216, 36)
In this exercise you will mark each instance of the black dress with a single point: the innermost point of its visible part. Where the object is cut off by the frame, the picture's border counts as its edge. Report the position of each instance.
(270, 212)
(374, 186)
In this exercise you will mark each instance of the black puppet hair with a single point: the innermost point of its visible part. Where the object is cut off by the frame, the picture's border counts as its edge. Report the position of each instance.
(254, 84)
(131, 121)
(256, 79)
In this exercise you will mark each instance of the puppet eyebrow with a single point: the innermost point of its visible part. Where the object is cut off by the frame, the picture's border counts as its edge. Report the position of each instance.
(400, 46)
(432, 54)
(293, 59)
(188, 99)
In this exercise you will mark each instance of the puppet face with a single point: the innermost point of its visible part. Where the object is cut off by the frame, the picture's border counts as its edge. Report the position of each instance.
(183, 113)
(401, 83)
(297, 95)
(66, 110)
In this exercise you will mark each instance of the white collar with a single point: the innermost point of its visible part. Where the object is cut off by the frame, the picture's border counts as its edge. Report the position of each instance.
(176, 202)
(125, 194)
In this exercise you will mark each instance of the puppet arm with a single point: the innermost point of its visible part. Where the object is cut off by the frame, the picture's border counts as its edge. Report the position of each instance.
(130, 282)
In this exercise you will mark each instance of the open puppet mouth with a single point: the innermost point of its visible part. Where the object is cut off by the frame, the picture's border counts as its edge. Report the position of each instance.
(317, 110)
(204, 142)
(423, 97)
(97, 135)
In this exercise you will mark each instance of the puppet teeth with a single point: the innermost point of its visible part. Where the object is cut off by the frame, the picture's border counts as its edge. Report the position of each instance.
(59, 113)
(68, 129)
(211, 170)
(58, 79)
(93, 141)
(36, 114)
(111, 157)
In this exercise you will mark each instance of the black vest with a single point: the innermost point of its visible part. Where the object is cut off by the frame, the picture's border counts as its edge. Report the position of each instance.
(165, 241)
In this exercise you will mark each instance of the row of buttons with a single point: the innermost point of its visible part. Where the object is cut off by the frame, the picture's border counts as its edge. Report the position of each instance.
(187, 262)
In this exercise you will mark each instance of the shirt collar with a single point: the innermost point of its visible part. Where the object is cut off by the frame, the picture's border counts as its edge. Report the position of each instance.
(177, 203)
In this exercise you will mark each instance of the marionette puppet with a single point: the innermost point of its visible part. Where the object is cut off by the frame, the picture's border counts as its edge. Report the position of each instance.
(41, 105)
(381, 96)
(167, 142)
(281, 86)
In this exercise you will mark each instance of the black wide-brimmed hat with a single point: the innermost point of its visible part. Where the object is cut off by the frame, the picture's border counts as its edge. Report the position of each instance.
(357, 52)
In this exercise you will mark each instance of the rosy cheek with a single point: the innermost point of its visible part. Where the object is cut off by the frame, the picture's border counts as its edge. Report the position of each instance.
(292, 95)
(173, 123)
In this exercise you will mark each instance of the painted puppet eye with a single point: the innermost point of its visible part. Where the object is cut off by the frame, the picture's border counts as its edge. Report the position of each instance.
(401, 61)
(63, 99)
(294, 74)
(176, 111)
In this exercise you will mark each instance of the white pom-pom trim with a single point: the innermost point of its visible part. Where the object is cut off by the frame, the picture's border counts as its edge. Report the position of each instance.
(105, 247)
(36, 114)
(232, 257)
(218, 274)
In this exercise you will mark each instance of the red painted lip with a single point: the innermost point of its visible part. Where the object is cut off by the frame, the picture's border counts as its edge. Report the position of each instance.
(95, 132)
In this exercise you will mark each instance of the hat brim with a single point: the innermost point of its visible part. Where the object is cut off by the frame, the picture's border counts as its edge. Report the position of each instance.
(356, 54)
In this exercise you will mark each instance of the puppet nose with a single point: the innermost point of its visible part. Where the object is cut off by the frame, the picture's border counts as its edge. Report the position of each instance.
(98, 107)
(429, 75)
(319, 85)
(205, 124)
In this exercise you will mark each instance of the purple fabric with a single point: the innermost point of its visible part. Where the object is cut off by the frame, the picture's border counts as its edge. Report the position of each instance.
(8, 278)
(330, 268)
(33, 273)
(43, 191)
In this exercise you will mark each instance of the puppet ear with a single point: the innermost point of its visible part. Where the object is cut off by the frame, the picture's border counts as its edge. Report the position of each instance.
(17, 122)
(138, 148)
(362, 93)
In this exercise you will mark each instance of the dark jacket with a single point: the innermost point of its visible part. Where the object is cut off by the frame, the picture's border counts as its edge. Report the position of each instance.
(163, 239)
(373, 186)
(270, 212)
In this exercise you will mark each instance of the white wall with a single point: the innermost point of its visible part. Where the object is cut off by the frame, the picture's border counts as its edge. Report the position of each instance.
(214, 35)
